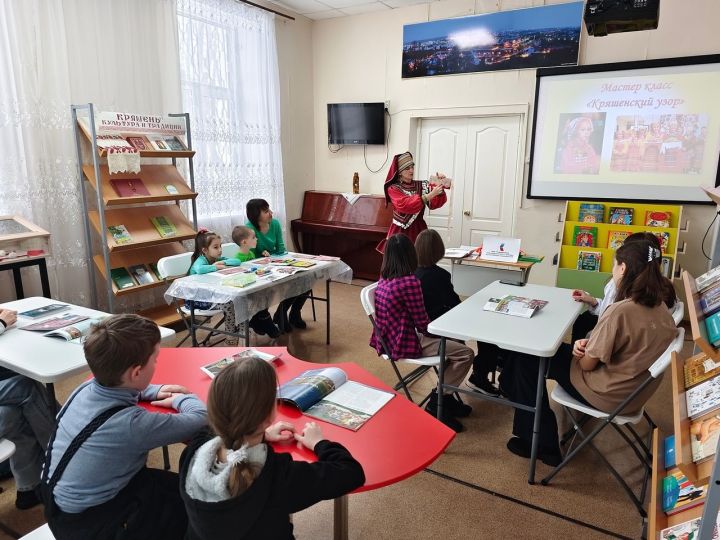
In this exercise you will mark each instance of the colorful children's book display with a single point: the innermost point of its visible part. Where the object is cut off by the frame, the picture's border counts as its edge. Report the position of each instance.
(585, 236)
(704, 434)
(621, 215)
(164, 226)
(700, 368)
(664, 239)
(591, 213)
(703, 398)
(120, 234)
(654, 218)
(617, 238)
(589, 261)
(680, 494)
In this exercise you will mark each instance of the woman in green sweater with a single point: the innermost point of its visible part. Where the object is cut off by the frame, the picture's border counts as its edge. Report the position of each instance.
(270, 242)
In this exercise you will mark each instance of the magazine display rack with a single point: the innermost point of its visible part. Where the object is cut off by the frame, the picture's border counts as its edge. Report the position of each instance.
(570, 277)
(109, 204)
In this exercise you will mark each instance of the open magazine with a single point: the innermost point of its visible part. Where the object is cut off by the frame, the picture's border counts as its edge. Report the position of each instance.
(327, 394)
(517, 306)
(213, 368)
(72, 328)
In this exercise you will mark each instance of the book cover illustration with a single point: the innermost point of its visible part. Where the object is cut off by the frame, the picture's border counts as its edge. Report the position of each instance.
(664, 239)
(173, 143)
(239, 280)
(328, 395)
(141, 274)
(707, 279)
(703, 398)
(679, 493)
(617, 238)
(43, 310)
(120, 234)
(704, 436)
(122, 278)
(712, 325)
(297, 263)
(164, 226)
(76, 332)
(669, 447)
(213, 368)
(657, 219)
(129, 187)
(139, 143)
(710, 300)
(699, 368)
(620, 215)
(589, 261)
(689, 530)
(591, 213)
(518, 306)
(584, 236)
(54, 323)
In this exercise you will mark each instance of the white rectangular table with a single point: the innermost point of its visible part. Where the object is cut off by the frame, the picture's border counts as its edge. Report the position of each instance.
(41, 358)
(540, 335)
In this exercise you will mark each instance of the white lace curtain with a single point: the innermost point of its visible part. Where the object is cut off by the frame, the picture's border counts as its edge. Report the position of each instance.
(230, 87)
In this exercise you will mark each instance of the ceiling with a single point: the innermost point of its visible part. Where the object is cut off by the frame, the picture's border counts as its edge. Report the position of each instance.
(327, 9)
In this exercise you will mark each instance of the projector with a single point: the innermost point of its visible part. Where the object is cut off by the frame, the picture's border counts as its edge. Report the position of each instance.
(603, 17)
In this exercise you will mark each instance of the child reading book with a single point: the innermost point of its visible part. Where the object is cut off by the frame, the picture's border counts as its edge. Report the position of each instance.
(233, 484)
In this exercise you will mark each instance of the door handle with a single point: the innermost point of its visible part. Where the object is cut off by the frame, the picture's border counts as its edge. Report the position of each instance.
(466, 213)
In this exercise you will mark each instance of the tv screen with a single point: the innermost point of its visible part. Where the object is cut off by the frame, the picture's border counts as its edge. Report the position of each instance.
(644, 131)
(356, 123)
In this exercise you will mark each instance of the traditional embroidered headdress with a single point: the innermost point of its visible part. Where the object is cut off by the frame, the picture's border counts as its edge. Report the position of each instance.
(400, 162)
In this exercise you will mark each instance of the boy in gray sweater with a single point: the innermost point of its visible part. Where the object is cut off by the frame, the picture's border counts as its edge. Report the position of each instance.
(95, 483)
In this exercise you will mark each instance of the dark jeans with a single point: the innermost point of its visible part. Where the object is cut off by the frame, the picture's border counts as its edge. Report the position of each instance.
(519, 378)
(488, 357)
(149, 507)
(294, 304)
(583, 324)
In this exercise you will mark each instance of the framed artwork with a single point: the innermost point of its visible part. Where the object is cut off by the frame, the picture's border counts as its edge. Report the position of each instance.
(520, 39)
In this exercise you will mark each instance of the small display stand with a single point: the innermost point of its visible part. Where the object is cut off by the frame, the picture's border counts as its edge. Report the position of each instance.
(22, 244)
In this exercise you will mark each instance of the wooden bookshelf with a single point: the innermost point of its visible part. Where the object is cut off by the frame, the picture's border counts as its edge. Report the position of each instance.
(154, 177)
(696, 317)
(163, 315)
(143, 153)
(137, 221)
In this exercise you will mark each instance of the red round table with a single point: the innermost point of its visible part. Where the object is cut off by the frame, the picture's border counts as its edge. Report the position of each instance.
(400, 440)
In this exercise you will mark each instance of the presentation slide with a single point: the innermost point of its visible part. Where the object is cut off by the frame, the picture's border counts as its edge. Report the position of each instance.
(651, 133)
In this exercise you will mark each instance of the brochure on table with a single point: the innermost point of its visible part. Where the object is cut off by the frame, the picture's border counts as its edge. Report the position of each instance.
(500, 249)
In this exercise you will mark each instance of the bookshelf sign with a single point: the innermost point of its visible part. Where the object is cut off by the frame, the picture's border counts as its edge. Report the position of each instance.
(115, 122)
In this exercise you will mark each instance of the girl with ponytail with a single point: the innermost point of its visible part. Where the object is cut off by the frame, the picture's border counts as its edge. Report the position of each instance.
(603, 370)
(234, 485)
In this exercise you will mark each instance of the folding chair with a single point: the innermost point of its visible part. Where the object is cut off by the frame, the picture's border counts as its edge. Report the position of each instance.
(176, 266)
(678, 312)
(617, 421)
(7, 450)
(367, 297)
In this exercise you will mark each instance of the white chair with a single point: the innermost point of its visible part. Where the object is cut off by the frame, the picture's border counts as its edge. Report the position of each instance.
(177, 266)
(678, 312)
(617, 420)
(41, 533)
(367, 298)
(7, 450)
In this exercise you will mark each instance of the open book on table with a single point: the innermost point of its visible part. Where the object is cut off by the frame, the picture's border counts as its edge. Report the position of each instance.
(213, 368)
(70, 327)
(518, 306)
(327, 394)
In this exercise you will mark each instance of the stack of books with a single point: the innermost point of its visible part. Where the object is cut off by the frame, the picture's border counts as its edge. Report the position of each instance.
(708, 286)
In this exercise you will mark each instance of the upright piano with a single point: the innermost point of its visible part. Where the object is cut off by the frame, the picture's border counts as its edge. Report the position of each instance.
(330, 225)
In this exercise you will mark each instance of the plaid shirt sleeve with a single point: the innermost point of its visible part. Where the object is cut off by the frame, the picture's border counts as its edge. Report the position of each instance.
(413, 299)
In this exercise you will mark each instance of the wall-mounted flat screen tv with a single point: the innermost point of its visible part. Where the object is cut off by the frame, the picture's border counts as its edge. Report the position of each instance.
(643, 131)
(356, 123)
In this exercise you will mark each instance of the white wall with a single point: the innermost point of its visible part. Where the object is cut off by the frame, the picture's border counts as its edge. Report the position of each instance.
(358, 58)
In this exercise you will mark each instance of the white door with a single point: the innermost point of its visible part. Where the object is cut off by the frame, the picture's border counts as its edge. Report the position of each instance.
(482, 156)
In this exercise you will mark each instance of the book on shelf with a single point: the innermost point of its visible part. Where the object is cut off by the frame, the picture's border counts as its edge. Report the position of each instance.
(666, 264)
(703, 398)
(689, 530)
(517, 306)
(617, 238)
(712, 325)
(669, 448)
(42, 311)
(710, 300)
(704, 434)
(164, 226)
(166, 143)
(54, 323)
(327, 394)
(707, 279)
(678, 493)
(699, 368)
(591, 213)
(664, 239)
(141, 274)
(122, 278)
(129, 187)
(621, 215)
(589, 260)
(120, 234)
(139, 142)
(154, 268)
(171, 189)
(76, 332)
(213, 368)
(654, 218)
(585, 236)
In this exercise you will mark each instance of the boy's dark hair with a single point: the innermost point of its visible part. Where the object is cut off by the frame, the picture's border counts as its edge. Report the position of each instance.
(667, 289)
(118, 343)
(202, 240)
(241, 399)
(253, 208)
(429, 248)
(642, 281)
(400, 258)
(240, 233)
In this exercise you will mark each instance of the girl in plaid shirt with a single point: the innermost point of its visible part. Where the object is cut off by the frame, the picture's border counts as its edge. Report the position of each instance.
(401, 326)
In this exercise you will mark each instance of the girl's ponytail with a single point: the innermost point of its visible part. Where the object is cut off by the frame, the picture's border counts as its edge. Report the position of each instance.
(642, 282)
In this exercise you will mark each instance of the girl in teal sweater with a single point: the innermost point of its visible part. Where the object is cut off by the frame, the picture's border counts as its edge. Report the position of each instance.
(270, 242)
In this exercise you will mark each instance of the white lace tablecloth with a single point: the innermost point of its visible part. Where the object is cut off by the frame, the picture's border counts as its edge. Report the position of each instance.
(261, 294)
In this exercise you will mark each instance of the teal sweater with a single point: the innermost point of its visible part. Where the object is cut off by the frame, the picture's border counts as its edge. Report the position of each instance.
(271, 241)
(202, 266)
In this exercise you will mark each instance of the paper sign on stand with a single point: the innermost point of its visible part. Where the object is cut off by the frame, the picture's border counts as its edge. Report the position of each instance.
(496, 248)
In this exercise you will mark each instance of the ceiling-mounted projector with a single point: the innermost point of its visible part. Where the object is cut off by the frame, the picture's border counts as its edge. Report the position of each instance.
(603, 17)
